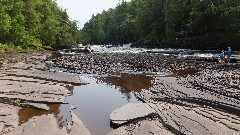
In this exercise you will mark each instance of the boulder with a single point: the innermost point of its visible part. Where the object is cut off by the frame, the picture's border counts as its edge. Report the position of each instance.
(129, 112)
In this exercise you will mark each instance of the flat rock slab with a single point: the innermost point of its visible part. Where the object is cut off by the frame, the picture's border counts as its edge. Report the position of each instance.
(42, 125)
(143, 127)
(130, 112)
(32, 92)
(47, 76)
(197, 120)
(47, 125)
(36, 105)
(8, 118)
(1, 126)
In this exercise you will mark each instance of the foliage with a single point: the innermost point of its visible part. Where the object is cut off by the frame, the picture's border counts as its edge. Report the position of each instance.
(34, 25)
(207, 23)
(40, 24)
(17, 102)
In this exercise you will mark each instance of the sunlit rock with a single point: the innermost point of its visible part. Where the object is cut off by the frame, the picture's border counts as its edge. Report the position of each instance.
(130, 112)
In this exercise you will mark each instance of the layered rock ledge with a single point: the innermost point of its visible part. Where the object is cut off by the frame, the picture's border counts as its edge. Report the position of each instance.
(25, 82)
(206, 102)
(130, 112)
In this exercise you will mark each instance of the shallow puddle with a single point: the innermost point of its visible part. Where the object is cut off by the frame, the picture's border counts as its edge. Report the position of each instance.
(184, 72)
(97, 100)
(27, 113)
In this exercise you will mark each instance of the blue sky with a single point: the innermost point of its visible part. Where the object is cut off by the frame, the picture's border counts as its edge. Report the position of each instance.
(82, 10)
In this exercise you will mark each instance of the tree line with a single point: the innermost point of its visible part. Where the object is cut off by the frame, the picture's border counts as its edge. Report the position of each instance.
(206, 24)
(35, 25)
(41, 24)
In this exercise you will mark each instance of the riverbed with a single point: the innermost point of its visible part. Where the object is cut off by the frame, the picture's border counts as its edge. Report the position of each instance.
(116, 74)
(168, 80)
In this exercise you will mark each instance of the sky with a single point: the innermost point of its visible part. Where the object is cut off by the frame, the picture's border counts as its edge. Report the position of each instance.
(82, 10)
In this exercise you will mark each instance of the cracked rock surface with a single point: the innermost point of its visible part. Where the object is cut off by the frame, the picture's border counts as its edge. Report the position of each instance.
(203, 103)
(130, 112)
(26, 83)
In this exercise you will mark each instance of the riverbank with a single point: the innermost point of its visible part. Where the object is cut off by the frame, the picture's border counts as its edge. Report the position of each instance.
(27, 83)
(188, 96)
(185, 93)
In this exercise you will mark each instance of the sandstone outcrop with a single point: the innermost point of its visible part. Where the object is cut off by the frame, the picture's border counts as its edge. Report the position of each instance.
(130, 112)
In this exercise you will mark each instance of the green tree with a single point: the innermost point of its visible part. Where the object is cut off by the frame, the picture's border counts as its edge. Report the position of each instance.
(36, 24)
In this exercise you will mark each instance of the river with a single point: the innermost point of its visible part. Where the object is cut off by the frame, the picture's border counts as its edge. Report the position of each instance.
(107, 92)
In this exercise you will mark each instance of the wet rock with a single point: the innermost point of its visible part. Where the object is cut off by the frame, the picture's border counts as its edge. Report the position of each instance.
(77, 127)
(114, 62)
(36, 105)
(130, 112)
(205, 101)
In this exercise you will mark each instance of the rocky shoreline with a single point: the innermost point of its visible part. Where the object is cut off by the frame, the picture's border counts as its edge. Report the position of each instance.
(26, 83)
(190, 97)
(196, 96)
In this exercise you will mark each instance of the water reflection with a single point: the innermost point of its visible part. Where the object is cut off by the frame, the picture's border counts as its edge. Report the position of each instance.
(70, 89)
(128, 82)
(27, 113)
(98, 99)
(184, 72)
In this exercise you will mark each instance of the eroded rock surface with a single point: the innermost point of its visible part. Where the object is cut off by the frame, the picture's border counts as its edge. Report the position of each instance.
(203, 103)
(45, 124)
(8, 118)
(149, 126)
(130, 112)
(204, 100)
(104, 63)
(25, 82)
(31, 85)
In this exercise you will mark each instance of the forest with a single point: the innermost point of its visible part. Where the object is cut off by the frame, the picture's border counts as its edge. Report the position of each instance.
(204, 24)
(34, 25)
(40, 24)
